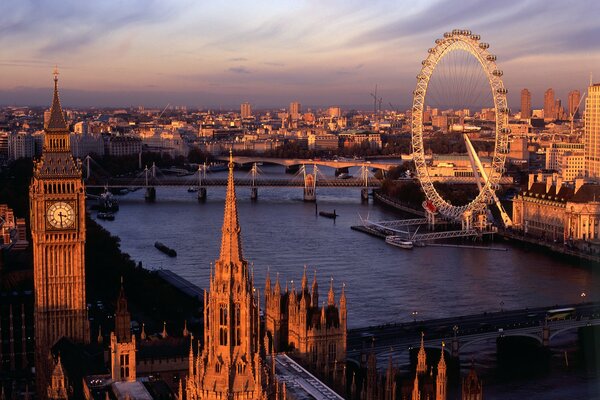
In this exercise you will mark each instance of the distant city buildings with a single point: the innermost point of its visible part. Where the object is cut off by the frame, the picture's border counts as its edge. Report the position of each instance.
(574, 100)
(295, 110)
(592, 132)
(246, 110)
(525, 104)
(549, 104)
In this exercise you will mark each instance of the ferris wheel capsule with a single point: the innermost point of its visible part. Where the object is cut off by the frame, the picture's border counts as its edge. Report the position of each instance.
(447, 35)
(497, 73)
(491, 58)
(475, 37)
(502, 90)
(484, 46)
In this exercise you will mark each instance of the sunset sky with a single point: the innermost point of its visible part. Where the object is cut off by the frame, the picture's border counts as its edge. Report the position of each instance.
(219, 54)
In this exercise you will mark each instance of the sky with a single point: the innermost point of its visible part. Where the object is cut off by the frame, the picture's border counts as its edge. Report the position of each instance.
(217, 54)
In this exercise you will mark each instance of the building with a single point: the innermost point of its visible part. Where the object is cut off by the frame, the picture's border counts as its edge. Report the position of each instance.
(549, 103)
(552, 210)
(122, 344)
(334, 112)
(57, 202)
(574, 100)
(246, 110)
(21, 145)
(295, 110)
(572, 165)
(85, 144)
(294, 321)
(229, 365)
(525, 104)
(592, 132)
(555, 152)
(322, 141)
(119, 146)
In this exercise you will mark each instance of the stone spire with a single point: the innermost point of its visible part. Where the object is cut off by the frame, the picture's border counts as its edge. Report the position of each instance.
(164, 331)
(304, 280)
(231, 243)
(441, 379)
(416, 393)
(58, 384)
(422, 357)
(57, 122)
(122, 318)
(331, 294)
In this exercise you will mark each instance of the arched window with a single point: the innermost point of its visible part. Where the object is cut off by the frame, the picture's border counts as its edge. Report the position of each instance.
(223, 315)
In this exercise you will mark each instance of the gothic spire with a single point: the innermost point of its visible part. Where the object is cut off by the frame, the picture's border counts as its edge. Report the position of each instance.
(56, 122)
(331, 294)
(231, 244)
(422, 357)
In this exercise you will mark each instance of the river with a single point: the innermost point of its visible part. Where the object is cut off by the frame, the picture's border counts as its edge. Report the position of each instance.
(384, 284)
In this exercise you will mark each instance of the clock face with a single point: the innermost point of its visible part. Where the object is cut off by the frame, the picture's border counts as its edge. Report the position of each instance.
(61, 215)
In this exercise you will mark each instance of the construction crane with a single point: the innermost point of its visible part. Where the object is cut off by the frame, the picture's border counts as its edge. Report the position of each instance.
(376, 101)
(163, 111)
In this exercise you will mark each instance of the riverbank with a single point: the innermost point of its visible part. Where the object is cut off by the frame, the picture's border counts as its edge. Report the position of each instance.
(572, 254)
(388, 201)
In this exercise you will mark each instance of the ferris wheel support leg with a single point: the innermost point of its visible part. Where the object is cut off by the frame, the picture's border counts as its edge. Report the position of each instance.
(471, 150)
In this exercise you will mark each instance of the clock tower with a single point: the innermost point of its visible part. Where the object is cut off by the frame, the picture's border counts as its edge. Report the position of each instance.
(57, 211)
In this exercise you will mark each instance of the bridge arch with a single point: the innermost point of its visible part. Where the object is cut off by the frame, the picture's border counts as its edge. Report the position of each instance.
(565, 329)
(538, 338)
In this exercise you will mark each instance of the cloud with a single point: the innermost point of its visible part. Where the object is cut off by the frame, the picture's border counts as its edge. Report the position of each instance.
(239, 70)
(238, 59)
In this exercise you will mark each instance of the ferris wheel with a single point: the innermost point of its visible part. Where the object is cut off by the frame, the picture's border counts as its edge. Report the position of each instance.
(463, 41)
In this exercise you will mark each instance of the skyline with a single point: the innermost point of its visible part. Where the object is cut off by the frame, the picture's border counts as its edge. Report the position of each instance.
(209, 56)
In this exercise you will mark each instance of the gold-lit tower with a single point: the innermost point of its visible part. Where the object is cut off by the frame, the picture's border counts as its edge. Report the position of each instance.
(229, 365)
(57, 208)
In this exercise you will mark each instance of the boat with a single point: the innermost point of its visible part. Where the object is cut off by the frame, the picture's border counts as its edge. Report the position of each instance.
(328, 214)
(398, 242)
(106, 216)
(107, 202)
(344, 175)
(192, 189)
(167, 250)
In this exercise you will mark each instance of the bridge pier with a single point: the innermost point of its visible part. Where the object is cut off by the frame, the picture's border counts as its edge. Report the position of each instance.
(150, 194)
(201, 194)
(254, 193)
(310, 194)
(546, 335)
(364, 195)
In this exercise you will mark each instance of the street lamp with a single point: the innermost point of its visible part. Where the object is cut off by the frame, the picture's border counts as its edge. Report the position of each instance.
(582, 295)
(501, 306)
(455, 329)
(414, 314)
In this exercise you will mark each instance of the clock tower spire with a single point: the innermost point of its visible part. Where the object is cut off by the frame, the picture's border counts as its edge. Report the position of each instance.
(57, 209)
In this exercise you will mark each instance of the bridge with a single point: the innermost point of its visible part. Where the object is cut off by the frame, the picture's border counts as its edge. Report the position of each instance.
(460, 333)
(288, 162)
(198, 181)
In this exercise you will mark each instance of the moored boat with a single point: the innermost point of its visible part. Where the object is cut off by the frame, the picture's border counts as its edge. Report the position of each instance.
(399, 242)
(328, 214)
(165, 249)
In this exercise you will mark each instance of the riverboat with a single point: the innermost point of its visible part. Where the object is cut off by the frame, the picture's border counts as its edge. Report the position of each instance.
(165, 249)
(396, 241)
(328, 214)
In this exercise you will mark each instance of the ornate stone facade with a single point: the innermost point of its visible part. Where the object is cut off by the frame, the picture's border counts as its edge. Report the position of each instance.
(229, 365)
(295, 321)
(122, 344)
(556, 211)
(57, 207)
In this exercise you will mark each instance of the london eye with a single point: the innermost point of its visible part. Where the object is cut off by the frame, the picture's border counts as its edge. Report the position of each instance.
(460, 68)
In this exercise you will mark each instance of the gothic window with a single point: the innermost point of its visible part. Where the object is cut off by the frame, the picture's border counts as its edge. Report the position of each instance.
(237, 340)
(239, 368)
(223, 325)
(313, 353)
(218, 368)
(332, 352)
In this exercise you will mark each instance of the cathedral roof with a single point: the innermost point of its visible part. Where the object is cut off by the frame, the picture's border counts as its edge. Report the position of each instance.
(231, 242)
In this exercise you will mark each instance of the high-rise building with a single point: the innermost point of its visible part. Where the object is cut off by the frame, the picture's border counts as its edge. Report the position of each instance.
(525, 104)
(592, 131)
(574, 99)
(229, 366)
(57, 202)
(246, 110)
(295, 109)
(549, 102)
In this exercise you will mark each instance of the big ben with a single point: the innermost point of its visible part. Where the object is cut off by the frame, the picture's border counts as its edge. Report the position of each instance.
(57, 207)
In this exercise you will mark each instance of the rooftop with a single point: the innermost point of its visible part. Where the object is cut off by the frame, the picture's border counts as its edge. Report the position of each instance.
(301, 384)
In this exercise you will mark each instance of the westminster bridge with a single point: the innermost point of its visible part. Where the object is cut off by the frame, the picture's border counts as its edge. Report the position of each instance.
(460, 333)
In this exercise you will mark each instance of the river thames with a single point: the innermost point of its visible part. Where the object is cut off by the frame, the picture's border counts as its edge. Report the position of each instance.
(384, 284)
